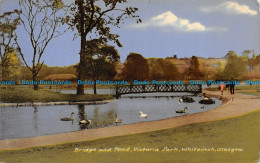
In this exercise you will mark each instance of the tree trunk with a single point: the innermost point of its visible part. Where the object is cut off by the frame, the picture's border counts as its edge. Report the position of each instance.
(95, 87)
(81, 73)
(35, 86)
(81, 76)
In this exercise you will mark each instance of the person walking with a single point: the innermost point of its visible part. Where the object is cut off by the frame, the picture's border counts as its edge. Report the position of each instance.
(232, 86)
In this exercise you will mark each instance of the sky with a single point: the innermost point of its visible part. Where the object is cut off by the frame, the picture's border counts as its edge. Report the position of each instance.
(204, 28)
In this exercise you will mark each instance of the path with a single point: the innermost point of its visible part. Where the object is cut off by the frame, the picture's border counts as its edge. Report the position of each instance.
(234, 105)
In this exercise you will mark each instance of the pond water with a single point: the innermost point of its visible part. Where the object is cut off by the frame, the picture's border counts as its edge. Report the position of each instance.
(19, 122)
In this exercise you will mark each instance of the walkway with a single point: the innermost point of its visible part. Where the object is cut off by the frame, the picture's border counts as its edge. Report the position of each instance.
(234, 105)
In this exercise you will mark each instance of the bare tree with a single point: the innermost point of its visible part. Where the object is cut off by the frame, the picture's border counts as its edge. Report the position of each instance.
(41, 20)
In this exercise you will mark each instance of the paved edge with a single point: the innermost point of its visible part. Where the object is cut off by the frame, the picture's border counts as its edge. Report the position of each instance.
(233, 106)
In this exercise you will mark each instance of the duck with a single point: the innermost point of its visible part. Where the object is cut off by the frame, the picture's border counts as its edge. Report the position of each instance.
(142, 115)
(85, 121)
(182, 111)
(68, 118)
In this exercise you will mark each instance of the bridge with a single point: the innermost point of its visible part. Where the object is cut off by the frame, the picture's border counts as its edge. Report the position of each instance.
(150, 88)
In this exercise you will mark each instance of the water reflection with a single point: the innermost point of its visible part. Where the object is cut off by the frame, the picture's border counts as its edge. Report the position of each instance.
(98, 120)
(103, 119)
(35, 119)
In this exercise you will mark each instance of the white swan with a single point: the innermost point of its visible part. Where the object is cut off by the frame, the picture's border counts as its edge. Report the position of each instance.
(142, 115)
(182, 111)
(67, 118)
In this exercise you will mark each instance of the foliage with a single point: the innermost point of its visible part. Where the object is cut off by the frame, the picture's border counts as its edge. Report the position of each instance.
(11, 66)
(92, 20)
(253, 61)
(162, 69)
(236, 66)
(136, 68)
(100, 60)
(194, 71)
(8, 25)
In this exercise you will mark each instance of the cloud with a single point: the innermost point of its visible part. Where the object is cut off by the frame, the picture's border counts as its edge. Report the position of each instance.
(169, 21)
(231, 8)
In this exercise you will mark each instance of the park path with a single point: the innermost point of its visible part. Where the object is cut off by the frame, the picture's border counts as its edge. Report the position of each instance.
(233, 105)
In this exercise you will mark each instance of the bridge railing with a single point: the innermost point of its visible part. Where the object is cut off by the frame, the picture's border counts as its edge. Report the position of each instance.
(149, 88)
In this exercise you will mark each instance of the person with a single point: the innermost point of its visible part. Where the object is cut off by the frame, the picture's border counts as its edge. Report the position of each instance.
(232, 86)
(222, 86)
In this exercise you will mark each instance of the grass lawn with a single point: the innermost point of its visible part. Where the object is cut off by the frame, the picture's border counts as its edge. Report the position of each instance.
(18, 95)
(239, 132)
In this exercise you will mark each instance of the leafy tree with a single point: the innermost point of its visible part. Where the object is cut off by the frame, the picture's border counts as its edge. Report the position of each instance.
(92, 20)
(40, 20)
(11, 67)
(101, 59)
(8, 25)
(136, 67)
(194, 71)
(236, 66)
(253, 61)
(162, 69)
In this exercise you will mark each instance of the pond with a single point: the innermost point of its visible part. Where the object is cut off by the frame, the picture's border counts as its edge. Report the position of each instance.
(20, 122)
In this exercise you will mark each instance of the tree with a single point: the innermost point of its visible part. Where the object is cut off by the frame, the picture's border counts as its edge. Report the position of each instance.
(100, 60)
(8, 25)
(253, 61)
(40, 20)
(162, 69)
(11, 67)
(194, 71)
(236, 66)
(136, 67)
(92, 20)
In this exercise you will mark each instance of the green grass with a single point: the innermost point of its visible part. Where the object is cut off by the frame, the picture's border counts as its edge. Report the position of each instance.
(240, 132)
(18, 95)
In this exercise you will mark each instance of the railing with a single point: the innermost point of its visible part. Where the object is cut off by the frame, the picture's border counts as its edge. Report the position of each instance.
(149, 88)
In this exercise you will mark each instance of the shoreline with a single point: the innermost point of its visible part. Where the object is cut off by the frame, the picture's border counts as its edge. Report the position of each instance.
(232, 106)
(56, 103)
